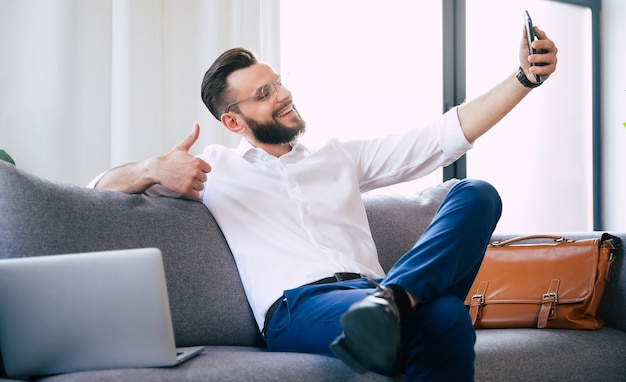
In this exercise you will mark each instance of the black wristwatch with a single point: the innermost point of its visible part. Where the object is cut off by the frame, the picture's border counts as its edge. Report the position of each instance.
(521, 77)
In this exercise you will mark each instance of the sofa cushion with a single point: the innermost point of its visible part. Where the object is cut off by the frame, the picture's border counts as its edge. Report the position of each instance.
(236, 364)
(550, 355)
(208, 304)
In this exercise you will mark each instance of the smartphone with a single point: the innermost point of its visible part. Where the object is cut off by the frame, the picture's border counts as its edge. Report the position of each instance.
(530, 35)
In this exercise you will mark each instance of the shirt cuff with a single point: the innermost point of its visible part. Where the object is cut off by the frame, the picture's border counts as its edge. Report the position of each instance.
(95, 180)
(451, 137)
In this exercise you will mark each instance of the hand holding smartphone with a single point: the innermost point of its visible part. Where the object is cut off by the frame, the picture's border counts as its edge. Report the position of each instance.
(530, 35)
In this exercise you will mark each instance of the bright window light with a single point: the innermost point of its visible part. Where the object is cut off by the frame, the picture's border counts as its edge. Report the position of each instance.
(363, 68)
(539, 157)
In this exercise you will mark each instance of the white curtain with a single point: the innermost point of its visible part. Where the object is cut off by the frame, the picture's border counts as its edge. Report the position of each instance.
(91, 84)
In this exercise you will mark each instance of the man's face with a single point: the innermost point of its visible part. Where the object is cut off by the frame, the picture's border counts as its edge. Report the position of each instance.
(264, 105)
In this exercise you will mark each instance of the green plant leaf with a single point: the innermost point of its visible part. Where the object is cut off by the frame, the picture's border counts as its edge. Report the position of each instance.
(6, 157)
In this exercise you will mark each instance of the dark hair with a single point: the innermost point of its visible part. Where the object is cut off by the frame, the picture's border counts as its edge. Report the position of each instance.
(214, 89)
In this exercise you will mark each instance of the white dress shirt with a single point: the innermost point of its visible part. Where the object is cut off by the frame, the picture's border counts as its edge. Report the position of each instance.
(298, 218)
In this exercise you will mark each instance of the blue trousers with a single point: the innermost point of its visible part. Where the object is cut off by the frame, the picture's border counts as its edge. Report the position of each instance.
(437, 338)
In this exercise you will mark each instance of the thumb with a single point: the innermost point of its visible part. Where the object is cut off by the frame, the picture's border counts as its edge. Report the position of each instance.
(186, 144)
(541, 35)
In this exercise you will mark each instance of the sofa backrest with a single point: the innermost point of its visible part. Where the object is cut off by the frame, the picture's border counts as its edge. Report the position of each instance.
(41, 217)
(397, 221)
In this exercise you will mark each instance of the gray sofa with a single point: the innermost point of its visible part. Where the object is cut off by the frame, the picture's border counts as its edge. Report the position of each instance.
(40, 217)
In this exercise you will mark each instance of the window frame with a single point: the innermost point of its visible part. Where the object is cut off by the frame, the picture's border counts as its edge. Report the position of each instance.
(454, 87)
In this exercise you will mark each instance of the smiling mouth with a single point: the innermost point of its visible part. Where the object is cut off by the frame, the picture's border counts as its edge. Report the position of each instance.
(285, 112)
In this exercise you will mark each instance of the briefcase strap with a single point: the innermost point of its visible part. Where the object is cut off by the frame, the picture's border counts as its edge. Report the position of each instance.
(477, 302)
(612, 243)
(548, 304)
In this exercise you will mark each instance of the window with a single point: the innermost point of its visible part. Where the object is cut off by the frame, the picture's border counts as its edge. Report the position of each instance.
(359, 69)
(363, 68)
(539, 156)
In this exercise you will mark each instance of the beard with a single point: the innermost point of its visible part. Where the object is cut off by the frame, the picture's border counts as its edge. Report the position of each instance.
(275, 132)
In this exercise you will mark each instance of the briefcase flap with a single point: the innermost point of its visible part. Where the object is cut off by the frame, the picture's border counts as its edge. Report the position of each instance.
(525, 273)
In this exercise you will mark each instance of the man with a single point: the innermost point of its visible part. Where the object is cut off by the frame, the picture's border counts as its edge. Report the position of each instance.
(297, 227)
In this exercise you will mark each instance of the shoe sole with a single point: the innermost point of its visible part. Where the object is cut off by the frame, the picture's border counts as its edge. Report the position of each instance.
(370, 337)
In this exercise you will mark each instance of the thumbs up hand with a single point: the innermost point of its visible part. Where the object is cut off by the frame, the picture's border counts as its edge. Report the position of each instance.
(180, 171)
(176, 170)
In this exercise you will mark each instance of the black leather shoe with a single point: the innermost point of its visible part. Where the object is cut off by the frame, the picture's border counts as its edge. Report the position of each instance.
(371, 332)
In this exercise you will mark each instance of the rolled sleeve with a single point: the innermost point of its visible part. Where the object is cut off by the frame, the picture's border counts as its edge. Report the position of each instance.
(451, 138)
(95, 180)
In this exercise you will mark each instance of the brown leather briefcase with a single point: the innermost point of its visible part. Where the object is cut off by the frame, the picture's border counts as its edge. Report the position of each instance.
(553, 284)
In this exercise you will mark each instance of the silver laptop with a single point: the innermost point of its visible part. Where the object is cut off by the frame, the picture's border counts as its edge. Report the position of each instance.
(88, 311)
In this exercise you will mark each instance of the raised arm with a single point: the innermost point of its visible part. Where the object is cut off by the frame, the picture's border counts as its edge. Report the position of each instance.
(176, 170)
(481, 114)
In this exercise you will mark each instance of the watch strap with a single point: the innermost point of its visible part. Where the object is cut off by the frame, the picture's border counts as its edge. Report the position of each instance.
(521, 77)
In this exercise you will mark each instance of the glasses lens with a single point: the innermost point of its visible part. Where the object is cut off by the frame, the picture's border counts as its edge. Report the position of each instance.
(268, 92)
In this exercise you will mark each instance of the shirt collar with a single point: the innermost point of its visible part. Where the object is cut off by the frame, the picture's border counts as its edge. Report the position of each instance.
(245, 147)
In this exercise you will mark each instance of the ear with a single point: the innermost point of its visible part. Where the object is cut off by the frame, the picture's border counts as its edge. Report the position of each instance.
(232, 123)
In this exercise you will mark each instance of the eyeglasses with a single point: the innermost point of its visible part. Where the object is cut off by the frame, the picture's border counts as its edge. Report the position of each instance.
(267, 93)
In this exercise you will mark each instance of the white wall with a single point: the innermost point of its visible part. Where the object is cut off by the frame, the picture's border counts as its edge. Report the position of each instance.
(614, 113)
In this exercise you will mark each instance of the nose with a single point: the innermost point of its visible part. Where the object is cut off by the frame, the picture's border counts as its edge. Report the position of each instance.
(282, 93)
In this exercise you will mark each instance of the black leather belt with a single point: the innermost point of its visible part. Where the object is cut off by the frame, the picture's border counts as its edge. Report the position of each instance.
(337, 277)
